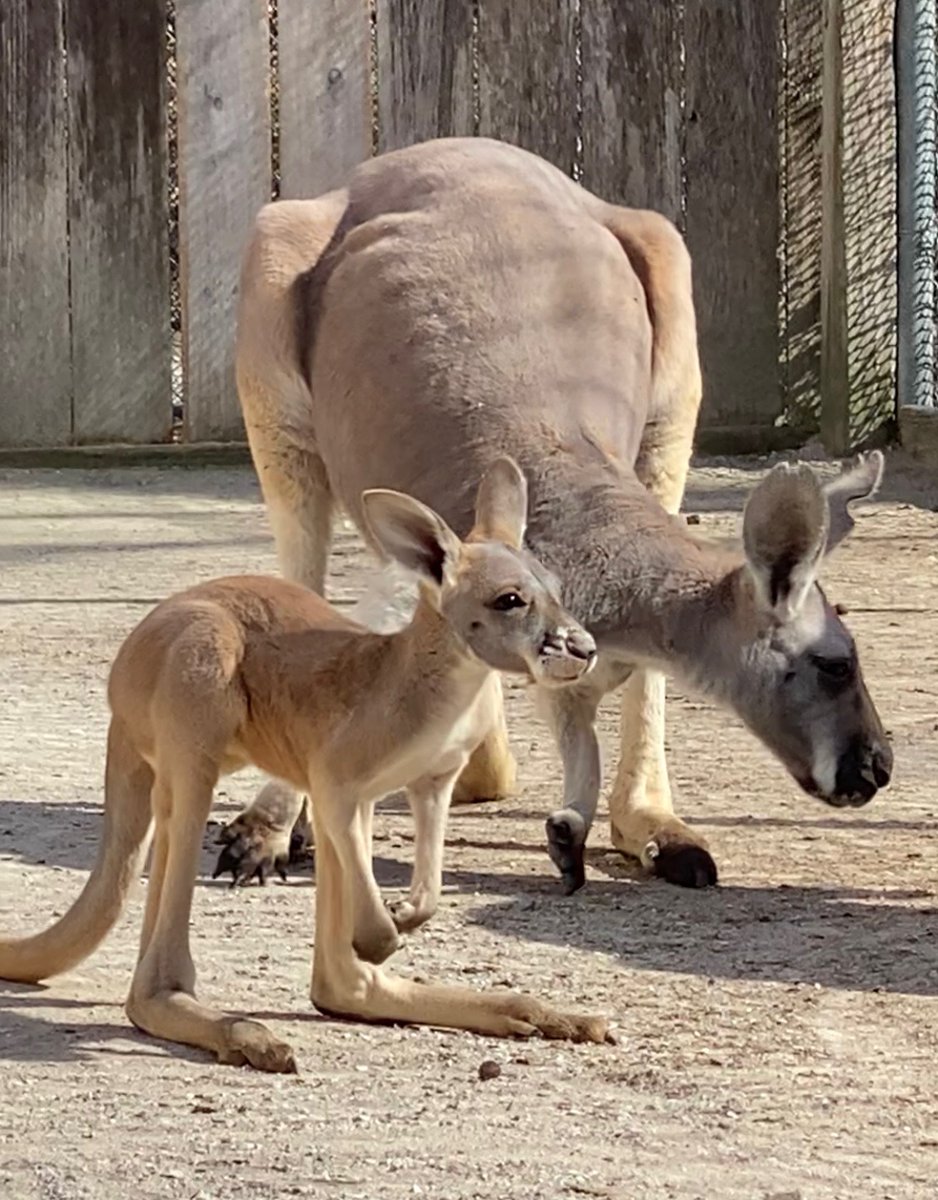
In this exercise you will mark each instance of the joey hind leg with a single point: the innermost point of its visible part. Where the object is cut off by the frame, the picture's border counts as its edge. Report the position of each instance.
(345, 985)
(490, 773)
(162, 999)
(643, 824)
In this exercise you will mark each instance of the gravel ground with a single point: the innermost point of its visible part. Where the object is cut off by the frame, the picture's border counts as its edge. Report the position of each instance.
(777, 1036)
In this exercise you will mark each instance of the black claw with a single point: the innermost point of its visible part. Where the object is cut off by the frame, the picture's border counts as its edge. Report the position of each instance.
(226, 862)
(687, 866)
(281, 869)
(574, 878)
(566, 852)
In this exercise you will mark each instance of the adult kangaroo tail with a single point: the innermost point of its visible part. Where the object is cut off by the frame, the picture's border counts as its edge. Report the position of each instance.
(127, 784)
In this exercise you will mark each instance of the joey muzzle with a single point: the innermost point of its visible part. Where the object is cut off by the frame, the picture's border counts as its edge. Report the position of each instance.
(566, 654)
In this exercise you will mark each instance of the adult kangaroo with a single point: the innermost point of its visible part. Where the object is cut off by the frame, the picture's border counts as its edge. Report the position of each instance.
(461, 299)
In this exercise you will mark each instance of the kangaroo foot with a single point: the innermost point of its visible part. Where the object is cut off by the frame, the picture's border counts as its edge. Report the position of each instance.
(666, 847)
(524, 1016)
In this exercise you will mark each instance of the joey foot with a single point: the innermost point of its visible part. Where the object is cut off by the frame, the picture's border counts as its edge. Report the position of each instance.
(566, 843)
(524, 1016)
(251, 1043)
(177, 1017)
(669, 849)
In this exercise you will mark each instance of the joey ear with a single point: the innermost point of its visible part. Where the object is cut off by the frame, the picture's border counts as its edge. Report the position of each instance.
(501, 504)
(859, 482)
(785, 529)
(412, 534)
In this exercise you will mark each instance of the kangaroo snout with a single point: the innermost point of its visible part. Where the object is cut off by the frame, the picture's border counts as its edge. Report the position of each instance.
(862, 770)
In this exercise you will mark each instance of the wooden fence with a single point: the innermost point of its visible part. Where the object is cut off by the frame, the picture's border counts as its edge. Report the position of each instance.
(137, 142)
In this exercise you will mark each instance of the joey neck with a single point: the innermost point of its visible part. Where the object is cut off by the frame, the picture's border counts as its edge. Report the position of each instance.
(430, 647)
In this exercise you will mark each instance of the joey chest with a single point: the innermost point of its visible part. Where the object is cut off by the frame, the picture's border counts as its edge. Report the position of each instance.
(435, 741)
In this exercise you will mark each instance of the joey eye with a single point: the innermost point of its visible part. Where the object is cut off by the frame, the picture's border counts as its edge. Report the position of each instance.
(507, 601)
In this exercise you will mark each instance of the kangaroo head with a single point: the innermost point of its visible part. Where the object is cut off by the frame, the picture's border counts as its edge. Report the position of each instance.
(498, 599)
(799, 686)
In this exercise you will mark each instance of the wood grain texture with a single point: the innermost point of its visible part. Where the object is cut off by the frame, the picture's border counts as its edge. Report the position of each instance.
(35, 356)
(324, 93)
(424, 71)
(732, 206)
(528, 76)
(632, 82)
(118, 221)
(224, 178)
(801, 209)
(870, 218)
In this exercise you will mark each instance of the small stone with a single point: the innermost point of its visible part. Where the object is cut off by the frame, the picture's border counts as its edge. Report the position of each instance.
(693, 518)
(489, 1069)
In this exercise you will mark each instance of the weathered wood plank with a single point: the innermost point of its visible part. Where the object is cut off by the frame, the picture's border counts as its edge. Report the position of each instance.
(35, 356)
(801, 215)
(424, 71)
(528, 76)
(324, 92)
(118, 209)
(835, 396)
(868, 184)
(732, 206)
(224, 178)
(632, 81)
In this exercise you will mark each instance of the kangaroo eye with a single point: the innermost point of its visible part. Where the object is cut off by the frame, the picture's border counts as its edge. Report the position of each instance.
(508, 600)
(837, 669)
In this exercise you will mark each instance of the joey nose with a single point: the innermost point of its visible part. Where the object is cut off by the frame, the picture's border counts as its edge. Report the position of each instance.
(581, 645)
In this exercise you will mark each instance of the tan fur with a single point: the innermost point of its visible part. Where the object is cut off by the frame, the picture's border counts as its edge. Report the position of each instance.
(461, 299)
(258, 670)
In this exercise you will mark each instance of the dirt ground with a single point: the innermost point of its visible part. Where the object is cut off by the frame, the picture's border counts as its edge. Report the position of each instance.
(777, 1036)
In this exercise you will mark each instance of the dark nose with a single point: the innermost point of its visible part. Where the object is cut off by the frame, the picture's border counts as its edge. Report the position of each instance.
(881, 764)
(581, 645)
(863, 770)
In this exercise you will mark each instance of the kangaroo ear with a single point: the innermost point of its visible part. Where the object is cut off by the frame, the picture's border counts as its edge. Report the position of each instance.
(859, 482)
(411, 534)
(785, 530)
(501, 505)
